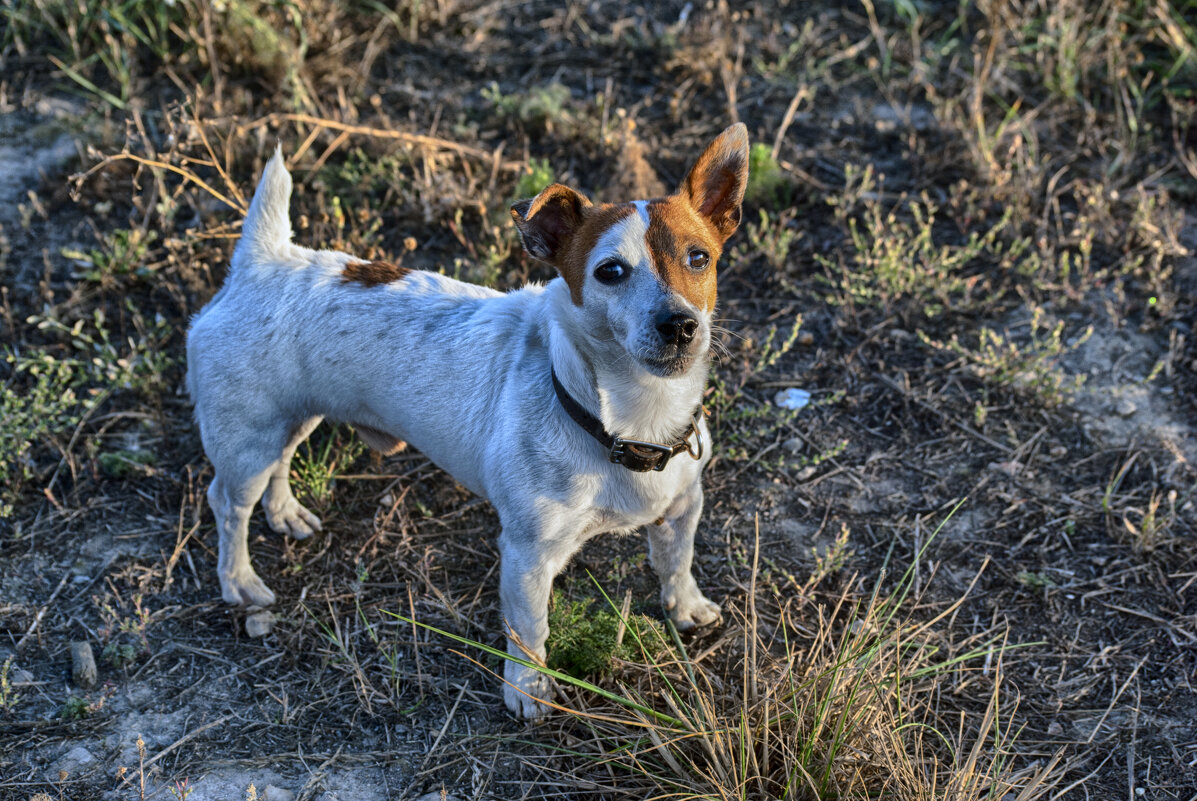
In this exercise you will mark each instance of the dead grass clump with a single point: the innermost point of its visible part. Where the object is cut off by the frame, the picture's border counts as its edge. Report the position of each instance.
(810, 698)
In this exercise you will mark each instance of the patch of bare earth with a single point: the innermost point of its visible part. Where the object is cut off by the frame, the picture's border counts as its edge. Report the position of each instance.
(1074, 540)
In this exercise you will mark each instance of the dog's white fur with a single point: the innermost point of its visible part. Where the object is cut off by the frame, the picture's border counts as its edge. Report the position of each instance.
(462, 373)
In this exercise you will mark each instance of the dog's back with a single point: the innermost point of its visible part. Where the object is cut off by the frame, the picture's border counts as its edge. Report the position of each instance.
(288, 317)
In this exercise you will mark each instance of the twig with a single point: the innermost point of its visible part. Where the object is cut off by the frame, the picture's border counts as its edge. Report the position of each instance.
(188, 736)
(1113, 701)
(440, 735)
(41, 614)
(803, 93)
(422, 140)
(162, 165)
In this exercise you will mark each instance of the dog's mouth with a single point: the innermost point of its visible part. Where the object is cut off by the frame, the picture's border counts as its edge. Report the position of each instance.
(669, 364)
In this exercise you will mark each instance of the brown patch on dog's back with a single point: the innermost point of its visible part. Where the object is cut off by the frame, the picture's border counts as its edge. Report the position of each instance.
(674, 229)
(372, 273)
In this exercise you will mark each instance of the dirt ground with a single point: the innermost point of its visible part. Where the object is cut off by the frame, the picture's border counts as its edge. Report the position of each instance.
(1071, 453)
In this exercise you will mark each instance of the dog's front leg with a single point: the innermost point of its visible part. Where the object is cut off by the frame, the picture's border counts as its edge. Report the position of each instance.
(671, 551)
(529, 565)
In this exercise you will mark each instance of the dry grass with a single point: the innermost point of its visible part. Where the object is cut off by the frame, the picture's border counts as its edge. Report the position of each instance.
(945, 200)
(812, 696)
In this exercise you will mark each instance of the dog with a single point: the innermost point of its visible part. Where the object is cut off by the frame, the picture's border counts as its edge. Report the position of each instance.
(574, 407)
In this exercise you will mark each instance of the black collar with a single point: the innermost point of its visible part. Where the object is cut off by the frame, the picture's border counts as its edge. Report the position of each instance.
(633, 454)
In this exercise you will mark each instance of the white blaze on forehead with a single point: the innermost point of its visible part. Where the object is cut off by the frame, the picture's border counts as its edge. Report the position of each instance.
(625, 240)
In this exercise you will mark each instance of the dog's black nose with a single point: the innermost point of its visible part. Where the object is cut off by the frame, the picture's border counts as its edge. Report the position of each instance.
(676, 328)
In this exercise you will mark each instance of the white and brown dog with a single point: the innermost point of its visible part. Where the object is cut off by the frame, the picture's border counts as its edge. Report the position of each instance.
(574, 408)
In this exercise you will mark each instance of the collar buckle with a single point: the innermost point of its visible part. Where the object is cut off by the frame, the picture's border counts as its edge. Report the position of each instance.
(640, 456)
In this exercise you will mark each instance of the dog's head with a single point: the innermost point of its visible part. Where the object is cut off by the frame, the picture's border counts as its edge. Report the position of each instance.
(642, 274)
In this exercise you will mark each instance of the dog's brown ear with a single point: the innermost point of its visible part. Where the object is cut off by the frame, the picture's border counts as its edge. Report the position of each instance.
(548, 220)
(716, 183)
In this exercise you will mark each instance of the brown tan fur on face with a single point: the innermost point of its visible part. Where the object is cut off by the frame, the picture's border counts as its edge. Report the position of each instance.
(674, 229)
(372, 273)
(596, 221)
(560, 227)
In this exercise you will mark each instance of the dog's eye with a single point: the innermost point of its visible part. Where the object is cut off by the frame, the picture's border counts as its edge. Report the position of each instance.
(611, 271)
(698, 260)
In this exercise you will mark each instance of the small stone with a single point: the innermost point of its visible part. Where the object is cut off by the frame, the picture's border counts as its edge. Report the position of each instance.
(793, 445)
(259, 624)
(410, 243)
(1126, 407)
(806, 472)
(805, 339)
(83, 664)
(272, 793)
(72, 761)
(1058, 451)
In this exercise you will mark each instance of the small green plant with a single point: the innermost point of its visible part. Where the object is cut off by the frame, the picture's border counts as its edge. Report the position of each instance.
(76, 707)
(1035, 581)
(535, 177)
(1154, 524)
(182, 789)
(894, 259)
(490, 249)
(369, 173)
(585, 642)
(831, 558)
(540, 107)
(322, 458)
(767, 184)
(40, 399)
(773, 237)
(52, 390)
(124, 630)
(772, 351)
(121, 253)
(9, 698)
(123, 463)
(1031, 368)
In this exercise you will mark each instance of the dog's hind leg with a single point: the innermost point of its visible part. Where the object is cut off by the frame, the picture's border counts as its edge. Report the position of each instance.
(284, 514)
(245, 457)
(671, 552)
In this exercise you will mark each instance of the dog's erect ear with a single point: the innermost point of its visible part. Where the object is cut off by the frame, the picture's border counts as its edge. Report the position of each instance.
(548, 220)
(716, 183)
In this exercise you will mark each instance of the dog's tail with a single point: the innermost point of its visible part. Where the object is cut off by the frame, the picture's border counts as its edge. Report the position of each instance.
(267, 226)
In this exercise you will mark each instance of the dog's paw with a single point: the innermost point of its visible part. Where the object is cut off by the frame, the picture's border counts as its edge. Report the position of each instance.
(290, 517)
(524, 686)
(689, 608)
(245, 589)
